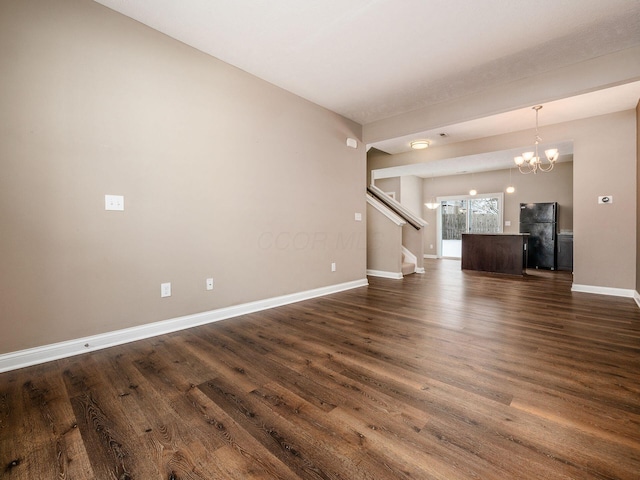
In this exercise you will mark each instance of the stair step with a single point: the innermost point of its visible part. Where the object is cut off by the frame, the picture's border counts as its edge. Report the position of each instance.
(408, 268)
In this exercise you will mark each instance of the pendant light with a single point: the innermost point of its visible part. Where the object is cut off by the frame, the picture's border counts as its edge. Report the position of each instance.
(432, 204)
(510, 188)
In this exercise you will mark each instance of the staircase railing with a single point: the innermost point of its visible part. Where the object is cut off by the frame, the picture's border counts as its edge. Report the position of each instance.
(412, 219)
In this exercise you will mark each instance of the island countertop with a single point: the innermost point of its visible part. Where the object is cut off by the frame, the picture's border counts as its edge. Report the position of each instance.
(495, 252)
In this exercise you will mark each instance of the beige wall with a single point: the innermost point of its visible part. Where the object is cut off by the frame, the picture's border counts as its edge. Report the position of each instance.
(604, 163)
(384, 243)
(390, 185)
(637, 198)
(413, 240)
(224, 175)
(554, 186)
(411, 194)
(605, 235)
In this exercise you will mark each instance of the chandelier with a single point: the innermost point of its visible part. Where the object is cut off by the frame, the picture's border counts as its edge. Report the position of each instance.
(530, 162)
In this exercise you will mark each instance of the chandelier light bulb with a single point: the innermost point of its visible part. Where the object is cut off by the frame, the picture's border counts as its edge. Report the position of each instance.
(552, 154)
(530, 162)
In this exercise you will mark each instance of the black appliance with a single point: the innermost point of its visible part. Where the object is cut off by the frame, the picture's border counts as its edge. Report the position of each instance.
(540, 221)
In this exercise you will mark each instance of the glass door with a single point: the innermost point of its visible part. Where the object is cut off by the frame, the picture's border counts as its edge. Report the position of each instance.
(453, 225)
(466, 214)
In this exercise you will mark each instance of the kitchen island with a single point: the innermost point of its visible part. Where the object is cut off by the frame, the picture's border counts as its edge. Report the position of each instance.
(495, 252)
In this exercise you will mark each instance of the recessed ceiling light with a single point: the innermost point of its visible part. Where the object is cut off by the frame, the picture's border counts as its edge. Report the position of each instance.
(419, 144)
(443, 135)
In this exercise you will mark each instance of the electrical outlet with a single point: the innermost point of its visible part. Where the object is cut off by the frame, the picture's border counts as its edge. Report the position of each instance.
(333, 267)
(165, 290)
(114, 202)
(209, 283)
(358, 217)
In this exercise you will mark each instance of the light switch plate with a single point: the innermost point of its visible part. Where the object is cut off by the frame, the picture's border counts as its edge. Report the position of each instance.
(114, 202)
(358, 217)
(165, 289)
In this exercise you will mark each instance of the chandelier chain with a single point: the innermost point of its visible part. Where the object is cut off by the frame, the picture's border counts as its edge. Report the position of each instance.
(530, 162)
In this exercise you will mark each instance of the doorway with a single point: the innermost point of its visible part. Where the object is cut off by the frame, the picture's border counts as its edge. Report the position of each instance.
(466, 214)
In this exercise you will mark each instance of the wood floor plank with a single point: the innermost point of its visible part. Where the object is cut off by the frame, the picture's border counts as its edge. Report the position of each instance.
(107, 431)
(446, 375)
(175, 446)
(50, 442)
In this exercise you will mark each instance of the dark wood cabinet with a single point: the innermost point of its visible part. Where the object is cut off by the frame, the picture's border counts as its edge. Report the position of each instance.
(499, 253)
(565, 251)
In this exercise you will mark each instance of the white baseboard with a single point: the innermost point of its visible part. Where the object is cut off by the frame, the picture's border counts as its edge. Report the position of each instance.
(383, 274)
(419, 269)
(615, 292)
(636, 297)
(430, 256)
(55, 351)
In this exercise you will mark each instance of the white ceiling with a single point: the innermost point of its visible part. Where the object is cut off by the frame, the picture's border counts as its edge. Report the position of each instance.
(373, 59)
(600, 102)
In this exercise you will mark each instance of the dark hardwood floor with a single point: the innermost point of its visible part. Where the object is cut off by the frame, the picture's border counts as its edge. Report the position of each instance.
(446, 375)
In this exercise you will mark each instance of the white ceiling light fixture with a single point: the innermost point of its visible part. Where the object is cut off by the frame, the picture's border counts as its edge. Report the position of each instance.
(530, 162)
(419, 144)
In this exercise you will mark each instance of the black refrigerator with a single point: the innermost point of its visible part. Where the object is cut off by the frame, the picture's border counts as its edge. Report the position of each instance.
(540, 221)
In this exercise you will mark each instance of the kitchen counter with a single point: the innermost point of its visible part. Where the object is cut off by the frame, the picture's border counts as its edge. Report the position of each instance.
(495, 252)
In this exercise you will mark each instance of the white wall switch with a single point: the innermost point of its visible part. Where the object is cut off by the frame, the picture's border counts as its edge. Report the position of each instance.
(209, 283)
(605, 199)
(165, 289)
(114, 202)
(333, 267)
(358, 217)
(507, 223)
